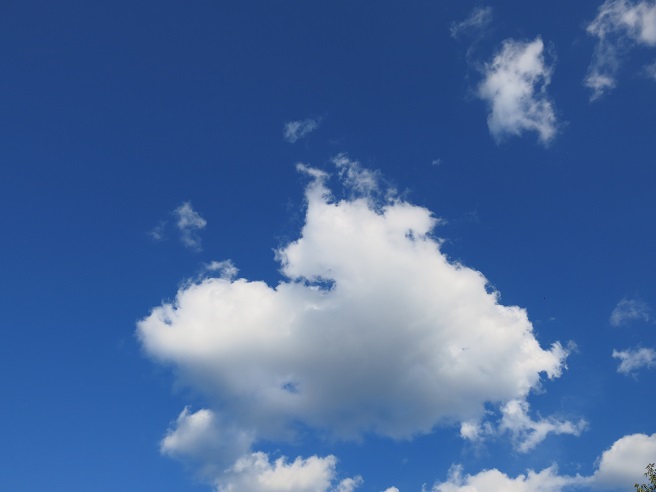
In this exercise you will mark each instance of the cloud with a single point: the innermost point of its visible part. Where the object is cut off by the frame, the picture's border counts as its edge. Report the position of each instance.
(227, 461)
(478, 19)
(620, 466)
(295, 130)
(189, 222)
(632, 360)
(619, 25)
(528, 433)
(255, 472)
(629, 310)
(650, 70)
(371, 330)
(547, 480)
(624, 462)
(514, 86)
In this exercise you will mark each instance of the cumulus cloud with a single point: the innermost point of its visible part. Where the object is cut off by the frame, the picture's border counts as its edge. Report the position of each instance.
(624, 462)
(255, 472)
(371, 330)
(515, 88)
(296, 130)
(478, 19)
(618, 26)
(629, 310)
(188, 223)
(548, 480)
(224, 455)
(634, 359)
(619, 466)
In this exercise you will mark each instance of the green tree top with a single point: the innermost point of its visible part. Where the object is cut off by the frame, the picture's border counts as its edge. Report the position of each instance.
(651, 475)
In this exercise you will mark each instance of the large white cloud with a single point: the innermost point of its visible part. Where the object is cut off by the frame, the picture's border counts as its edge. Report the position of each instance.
(515, 88)
(372, 330)
(619, 24)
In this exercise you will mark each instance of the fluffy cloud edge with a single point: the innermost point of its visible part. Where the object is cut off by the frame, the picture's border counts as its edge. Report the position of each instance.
(515, 88)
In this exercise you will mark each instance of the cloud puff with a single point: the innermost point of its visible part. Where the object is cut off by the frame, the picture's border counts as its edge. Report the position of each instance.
(295, 130)
(619, 25)
(478, 19)
(629, 310)
(632, 360)
(189, 222)
(619, 466)
(372, 330)
(514, 86)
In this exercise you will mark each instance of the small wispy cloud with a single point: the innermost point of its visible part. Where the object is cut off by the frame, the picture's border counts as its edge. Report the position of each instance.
(629, 310)
(158, 233)
(479, 19)
(189, 222)
(296, 130)
(515, 88)
(632, 360)
(618, 26)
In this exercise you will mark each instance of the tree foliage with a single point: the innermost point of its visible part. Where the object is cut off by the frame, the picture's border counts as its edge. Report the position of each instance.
(651, 476)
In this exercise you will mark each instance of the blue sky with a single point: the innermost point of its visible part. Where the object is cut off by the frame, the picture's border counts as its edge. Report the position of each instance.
(327, 246)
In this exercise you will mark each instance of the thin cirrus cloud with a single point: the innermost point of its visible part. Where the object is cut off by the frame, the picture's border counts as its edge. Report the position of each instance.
(619, 465)
(628, 310)
(345, 346)
(631, 360)
(618, 26)
(296, 130)
(479, 19)
(515, 88)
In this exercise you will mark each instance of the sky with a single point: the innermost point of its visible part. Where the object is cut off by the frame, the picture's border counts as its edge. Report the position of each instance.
(327, 246)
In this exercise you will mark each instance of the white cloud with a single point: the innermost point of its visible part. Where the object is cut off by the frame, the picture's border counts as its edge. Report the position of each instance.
(372, 329)
(295, 130)
(632, 360)
(547, 480)
(619, 25)
(528, 433)
(624, 463)
(629, 310)
(619, 468)
(480, 18)
(255, 472)
(225, 269)
(514, 87)
(202, 438)
(189, 222)
(226, 460)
